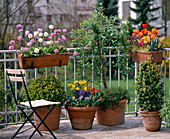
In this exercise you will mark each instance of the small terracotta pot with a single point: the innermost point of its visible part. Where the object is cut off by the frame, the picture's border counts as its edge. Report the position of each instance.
(81, 117)
(141, 56)
(52, 120)
(112, 117)
(151, 120)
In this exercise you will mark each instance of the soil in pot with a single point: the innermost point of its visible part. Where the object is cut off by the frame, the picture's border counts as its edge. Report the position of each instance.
(112, 117)
(52, 120)
(81, 118)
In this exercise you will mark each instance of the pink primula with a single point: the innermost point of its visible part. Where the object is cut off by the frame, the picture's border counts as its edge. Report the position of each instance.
(25, 49)
(11, 47)
(19, 38)
(56, 51)
(19, 26)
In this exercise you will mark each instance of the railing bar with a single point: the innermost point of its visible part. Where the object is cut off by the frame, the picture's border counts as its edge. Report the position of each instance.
(165, 77)
(127, 76)
(74, 69)
(110, 70)
(5, 85)
(101, 73)
(46, 71)
(83, 66)
(36, 73)
(55, 71)
(65, 78)
(136, 106)
(118, 70)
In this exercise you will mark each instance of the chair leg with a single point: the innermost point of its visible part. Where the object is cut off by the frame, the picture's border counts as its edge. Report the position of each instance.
(42, 122)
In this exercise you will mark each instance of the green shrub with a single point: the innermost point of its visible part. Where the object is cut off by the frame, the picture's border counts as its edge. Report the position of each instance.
(2, 96)
(165, 111)
(113, 96)
(150, 94)
(48, 88)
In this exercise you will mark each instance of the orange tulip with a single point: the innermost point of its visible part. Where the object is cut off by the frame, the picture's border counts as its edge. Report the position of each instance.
(157, 31)
(134, 31)
(152, 36)
(154, 30)
(134, 34)
(137, 31)
(149, 33)
(140, 34)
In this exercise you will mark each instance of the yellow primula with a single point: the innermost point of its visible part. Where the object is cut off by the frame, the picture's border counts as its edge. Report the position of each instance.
(73, 97)
(80, 82)
(85, 88)
(146, 42)
(69, 84)
(73, 86)
(84, 82)
(77, 88)
(76, 82)
(89, 85)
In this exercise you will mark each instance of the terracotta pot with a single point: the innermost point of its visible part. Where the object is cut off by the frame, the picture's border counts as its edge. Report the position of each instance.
(81, 117)
(141, 56)
(151, 120)
(49, 60)
(52, 120)
(112, 117)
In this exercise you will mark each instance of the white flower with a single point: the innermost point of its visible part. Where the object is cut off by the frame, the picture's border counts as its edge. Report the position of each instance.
(36, 50)
(46, 34)
(30, 35)
(48, 42)
(40, 34)
(40, 40)
(51, 26)
(51, 42)
(36, 33)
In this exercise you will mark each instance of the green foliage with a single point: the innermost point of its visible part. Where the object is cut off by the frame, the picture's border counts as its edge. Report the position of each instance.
(110, 7)
(165, 111)
(144, 8)
(48, 88)
(97, 33)
(150, 94)
(113, 96)
(2, 96)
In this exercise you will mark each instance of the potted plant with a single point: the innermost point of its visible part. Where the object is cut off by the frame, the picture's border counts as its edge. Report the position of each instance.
(150, 95)
(41, 49)
(112, 109)
(48, 88)
(146, 43)
(165, 112)
(82, 104)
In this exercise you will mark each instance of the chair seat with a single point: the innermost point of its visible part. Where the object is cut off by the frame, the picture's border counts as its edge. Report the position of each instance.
(39, 103)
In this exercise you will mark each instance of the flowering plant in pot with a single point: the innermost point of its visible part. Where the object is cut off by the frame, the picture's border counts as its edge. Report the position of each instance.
(82, 104)
(150, 95)
(41, 44)
(145, 43)
(48, 88)
(112, 109)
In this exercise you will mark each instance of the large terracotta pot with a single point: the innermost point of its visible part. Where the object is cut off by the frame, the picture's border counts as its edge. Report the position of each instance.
(52, 120)
(49, 60)
(141, 56)
(151, 120)
(81, 117)
(112, 117)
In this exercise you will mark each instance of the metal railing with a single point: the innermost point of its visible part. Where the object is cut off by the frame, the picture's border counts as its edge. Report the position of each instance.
(5, 61)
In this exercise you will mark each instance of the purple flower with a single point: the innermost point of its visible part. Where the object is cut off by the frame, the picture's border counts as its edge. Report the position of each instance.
(32, 40)
(63, 37)
(11, 47)
(56, 51)
(39, 30)
(18, 52)
(80, 97)
(25, 49)
(50, 37)
(64, 30)
(29, 43)
(75, 53)
(58, 30)
(60, 40)
(20, 30)
(19, 26)
(19, 38)
(12, 42)
(56, 42)
(45, 43)
(87, 97)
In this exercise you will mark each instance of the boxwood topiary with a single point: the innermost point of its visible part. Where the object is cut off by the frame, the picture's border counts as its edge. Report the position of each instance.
(113, 96)
(150, 93)
(46, 87)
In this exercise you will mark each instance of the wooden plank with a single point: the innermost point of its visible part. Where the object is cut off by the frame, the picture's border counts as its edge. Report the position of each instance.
(18, 79)
(15, 71)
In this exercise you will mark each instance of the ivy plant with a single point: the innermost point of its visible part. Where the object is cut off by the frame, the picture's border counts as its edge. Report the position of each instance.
(150, 93)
